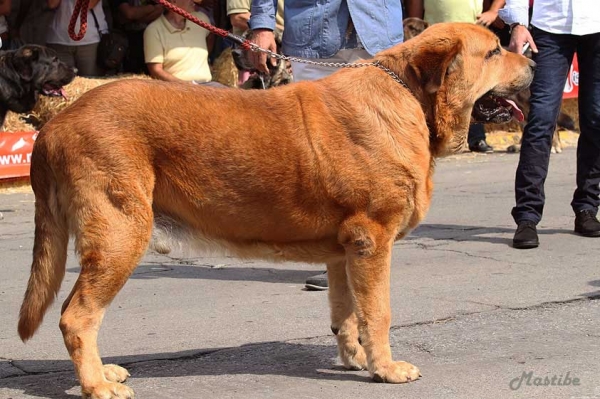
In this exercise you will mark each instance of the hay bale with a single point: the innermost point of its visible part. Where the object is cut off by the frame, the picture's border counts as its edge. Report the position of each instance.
(224, 70)
(17, 123)
(47, 107)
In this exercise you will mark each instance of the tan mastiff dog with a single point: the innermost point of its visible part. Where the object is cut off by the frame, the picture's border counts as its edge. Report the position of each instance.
(330, 171)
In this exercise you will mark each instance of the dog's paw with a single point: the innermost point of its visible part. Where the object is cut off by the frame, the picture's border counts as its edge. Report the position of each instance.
(115, 373)
(353, 356)
(396, 373)
(110, 390)
(556, 149)
(514, 148)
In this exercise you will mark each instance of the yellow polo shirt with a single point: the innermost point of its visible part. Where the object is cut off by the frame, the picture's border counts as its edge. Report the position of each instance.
(183, 52)
(452, 10)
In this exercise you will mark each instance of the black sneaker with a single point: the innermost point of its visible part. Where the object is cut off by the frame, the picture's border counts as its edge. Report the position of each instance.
(526, 236)
(587, 224)
(317, 283)
(481, 146)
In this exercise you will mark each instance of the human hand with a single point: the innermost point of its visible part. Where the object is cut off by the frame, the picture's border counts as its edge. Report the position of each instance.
(487, 18)
(265, 39)
(521, 35)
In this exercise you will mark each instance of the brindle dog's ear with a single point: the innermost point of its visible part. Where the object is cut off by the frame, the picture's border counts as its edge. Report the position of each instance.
(23, 61)
(432, 64)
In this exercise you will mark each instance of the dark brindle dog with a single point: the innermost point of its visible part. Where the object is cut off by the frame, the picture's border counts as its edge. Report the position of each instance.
(28, 72)
(279, 74)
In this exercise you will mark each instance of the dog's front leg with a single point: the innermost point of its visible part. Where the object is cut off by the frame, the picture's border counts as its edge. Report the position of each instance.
(368, 247)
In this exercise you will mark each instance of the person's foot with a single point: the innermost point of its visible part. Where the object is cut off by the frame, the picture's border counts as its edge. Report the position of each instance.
(526, 236)
(587, 224)
(481, 146)
(317, 283)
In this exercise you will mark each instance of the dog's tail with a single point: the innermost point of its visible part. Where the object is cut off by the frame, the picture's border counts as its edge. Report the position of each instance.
(49, 248)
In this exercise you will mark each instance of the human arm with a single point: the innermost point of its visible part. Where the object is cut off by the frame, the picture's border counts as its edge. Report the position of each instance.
(238, 12)
(240, 20)
(157, 72)
(516, 14)
(414, 9)
(262, 23)
(490, 14)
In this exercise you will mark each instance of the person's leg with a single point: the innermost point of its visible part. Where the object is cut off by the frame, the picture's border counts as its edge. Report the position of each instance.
(64, 53)
(553, 62)
(587, 194)
(588, 148)
(476, 139)
(85, 60)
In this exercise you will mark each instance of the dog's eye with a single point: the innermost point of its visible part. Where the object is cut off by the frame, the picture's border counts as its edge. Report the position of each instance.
(493, 52)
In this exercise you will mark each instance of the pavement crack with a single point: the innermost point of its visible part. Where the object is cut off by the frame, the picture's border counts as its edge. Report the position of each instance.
(550, 304)
(543, 305)
(437, 248)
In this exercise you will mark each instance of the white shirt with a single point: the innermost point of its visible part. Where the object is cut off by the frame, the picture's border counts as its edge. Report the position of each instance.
(575, 17)
(58, 32)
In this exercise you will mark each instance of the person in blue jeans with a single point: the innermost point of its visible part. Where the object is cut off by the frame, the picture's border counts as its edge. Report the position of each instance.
(328, 31)
(559, 29)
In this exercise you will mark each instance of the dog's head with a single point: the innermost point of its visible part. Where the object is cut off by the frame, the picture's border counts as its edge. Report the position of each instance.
(459, 71)
(27, 72)
(40, 67)
(413, 27)
(279, 74)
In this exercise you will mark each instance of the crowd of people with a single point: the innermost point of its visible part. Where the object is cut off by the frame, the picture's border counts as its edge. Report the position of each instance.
(168, 47)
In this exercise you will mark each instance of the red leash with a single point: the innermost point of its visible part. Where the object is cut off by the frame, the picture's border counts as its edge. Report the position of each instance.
(82, 6)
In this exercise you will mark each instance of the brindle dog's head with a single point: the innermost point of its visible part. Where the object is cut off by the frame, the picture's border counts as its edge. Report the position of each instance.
(413, 27)
(280, 74)
(28, 72)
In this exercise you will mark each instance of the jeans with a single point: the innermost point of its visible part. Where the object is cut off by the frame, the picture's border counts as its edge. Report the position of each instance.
(554, 58)
(476, 133)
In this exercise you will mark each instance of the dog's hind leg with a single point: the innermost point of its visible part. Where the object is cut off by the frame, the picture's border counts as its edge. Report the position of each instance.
(113, 233)
(344, 323)
(368, 246)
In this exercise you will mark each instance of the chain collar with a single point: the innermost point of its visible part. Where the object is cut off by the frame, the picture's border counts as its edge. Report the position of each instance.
(254, 47)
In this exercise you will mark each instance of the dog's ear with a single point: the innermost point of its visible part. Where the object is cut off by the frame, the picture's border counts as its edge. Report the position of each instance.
(432, 63)
(23, 61)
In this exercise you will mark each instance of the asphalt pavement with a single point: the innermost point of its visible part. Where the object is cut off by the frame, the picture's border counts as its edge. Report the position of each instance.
(479, 318)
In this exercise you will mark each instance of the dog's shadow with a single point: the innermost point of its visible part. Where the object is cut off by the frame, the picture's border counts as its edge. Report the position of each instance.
(206, 271)
(300, 360)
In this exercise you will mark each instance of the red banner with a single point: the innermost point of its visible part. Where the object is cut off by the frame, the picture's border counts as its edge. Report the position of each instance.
(15, 154)
(572, 83)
